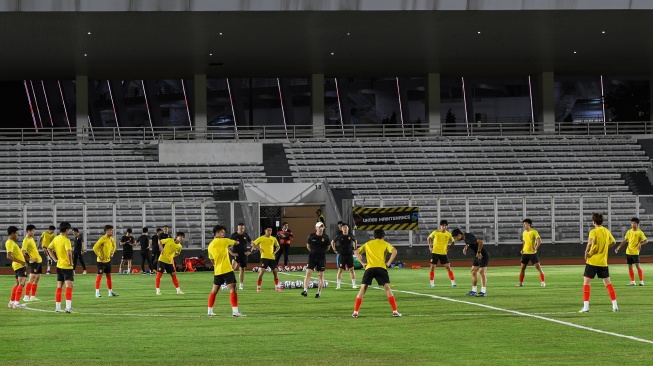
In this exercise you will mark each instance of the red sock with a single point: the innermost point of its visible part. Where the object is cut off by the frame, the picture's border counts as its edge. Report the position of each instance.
(109, 282)
(613, 295)
(28, 289)
(450, 272)
(259, 283)
(432, 275)
(34, 286)
(57, 295)
(157, 280)
(542, 277)
(358, 304)
(393, 303)
(212, 299)
(19, 293)
(98, 281)
(586, 292)
(276, 282)
(174, 280)
(641, 274)
(233, 298)
(631, 273)
(13, 293)
(69, 293)
(521, 277)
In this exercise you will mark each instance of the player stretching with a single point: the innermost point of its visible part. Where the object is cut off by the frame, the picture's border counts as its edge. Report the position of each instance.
(375, 268)
(104, 249)
(345, 244)
(268, 245)
(442, 241)
(44, 243)
(240, 252)
(18, 264)
(596, 256)
(317, 243)
(224, 273)
(531, 242)
(61, 251)
(35, 263)
(481, 260)
(635, 239)
(171, 249)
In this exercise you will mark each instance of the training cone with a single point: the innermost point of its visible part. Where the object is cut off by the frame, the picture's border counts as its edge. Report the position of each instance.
(134, 270)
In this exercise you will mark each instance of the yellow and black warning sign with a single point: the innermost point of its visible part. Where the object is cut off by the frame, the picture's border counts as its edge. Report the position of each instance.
(386, 218)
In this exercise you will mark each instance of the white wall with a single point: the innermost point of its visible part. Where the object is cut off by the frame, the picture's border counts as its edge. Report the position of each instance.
(172, 152)
(286, 193)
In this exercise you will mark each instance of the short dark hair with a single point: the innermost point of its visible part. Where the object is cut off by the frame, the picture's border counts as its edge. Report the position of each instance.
(75, 230)
(597, 217)
(528, 221)
(165, 225)
(284, 223)
(51, 227)
(64, 226)
(242, 224)
(158, 229)
(11, 230)
(444, 222)
(340, 223)
(265, 227)
(181, 233)
(145, 230)
(635, 219)
(129, 230)
(217, 228)
(345, 224)
(107, 227)
(379, 234)
(456, 232)
(30, 227)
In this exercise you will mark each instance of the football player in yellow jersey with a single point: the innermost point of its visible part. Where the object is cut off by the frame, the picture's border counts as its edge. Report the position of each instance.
(171, 249)
(269, 246)
(531, 241)
(61, 251)
(596, 256)
(442, 241)
(35, 263)
(224, 272)
(44, 242)
(18, 264)
(376, 268)
(105, 248)
(635, 239)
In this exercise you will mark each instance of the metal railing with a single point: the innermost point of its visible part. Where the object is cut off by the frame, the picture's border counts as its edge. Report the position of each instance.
(276, 132)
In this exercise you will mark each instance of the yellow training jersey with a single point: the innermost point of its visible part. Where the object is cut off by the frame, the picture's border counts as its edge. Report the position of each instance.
(219, 253)
(47, 239)
(61, 245)
(105, 247)
(441, 241)
(634, 237)
(267, 244)
(375, 251)
(170, 250)
(14, 249)
(599, 249)
(29, 246)
(530, 239)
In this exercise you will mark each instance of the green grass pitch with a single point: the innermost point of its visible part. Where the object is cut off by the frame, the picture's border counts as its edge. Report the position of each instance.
(283, 328)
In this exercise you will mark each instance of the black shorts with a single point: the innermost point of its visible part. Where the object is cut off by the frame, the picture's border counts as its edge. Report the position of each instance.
(127, 253)
(35, 268)
(103, 267)
(165, 267)
(483, 262)
(225, 278)
(316, 263)
(241, 259)
(65, 275)
(631, 259)
(592, 271)
(21, 272)
(525, 258)
(268, 263)
(442, 258)
(379, 274)
(346, 261)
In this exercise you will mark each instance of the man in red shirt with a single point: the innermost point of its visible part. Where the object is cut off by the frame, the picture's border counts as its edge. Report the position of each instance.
(285, 238)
